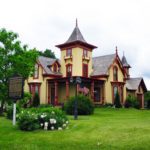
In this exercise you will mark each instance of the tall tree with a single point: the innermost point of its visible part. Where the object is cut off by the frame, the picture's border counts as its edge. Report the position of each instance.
(47, 53)
(15, 58)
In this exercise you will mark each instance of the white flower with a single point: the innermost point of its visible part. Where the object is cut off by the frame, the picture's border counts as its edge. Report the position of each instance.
(54, 121)
(64, 125)
(46, 124)
(52, 128)
(42, 116)
(67, 122)
(59, 128)
(53, 112)
(41, 124)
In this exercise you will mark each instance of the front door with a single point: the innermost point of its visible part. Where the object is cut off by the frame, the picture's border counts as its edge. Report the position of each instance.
(53, 96)
(96, 94)
(139, 97)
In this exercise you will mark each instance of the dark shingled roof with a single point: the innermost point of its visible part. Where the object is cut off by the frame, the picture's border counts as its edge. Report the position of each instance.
(133, 83)
(101, 64)
(46, 62)
(76, 36)
(124, 62)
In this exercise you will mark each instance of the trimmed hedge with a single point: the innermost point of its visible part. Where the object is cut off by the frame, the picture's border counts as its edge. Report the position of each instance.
(84, 105)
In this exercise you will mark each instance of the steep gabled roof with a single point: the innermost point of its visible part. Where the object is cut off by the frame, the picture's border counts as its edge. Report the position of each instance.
(124, 62)
(76, 36)
(101, 64)
(133, 83)
(45, 62)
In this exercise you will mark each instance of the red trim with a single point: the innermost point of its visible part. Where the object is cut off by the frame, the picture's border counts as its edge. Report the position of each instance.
(56, 92)
(68, 74)
(64, 45)
(85, 70)
(99, 76)
(52, 75)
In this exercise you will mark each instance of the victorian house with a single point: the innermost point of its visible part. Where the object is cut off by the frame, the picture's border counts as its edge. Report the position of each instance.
(101, 77)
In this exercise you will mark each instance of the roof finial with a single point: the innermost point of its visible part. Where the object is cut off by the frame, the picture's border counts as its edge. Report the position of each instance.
(76, 22)
(116, 51)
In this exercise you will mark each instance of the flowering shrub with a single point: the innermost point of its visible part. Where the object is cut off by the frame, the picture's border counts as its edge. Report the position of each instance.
(28, 120)
(45, 118)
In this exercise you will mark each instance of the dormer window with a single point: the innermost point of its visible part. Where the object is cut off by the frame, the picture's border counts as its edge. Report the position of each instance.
(36, 71)
(115, 73)
(69, 70)
(69, 52)
(85, 53)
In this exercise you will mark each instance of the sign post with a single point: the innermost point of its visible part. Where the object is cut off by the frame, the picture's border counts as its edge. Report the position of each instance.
(15, 92)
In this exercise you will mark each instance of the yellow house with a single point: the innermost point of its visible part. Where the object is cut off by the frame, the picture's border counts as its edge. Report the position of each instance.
(101, 77)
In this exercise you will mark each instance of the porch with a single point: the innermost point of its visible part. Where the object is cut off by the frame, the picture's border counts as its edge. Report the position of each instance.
(59, 90)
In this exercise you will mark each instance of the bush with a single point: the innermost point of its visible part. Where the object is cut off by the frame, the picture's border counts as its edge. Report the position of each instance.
(9, 111)
(47, 118)
(25, 101)
(147, 99)
(117, 101)
(28, 121)
(132, 101)
(84, 105)
(107, 105)
(36, 100)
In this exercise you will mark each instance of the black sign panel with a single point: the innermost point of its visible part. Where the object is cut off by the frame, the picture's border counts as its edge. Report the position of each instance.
(16, 88)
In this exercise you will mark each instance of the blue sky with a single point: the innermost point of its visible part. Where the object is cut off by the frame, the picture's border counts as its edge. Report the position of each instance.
(104, 23)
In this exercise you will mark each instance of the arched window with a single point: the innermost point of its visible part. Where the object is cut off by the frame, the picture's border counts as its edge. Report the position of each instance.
(69, 70)
(36, 71)
(115, 90)
(115, 73)
(55, 68)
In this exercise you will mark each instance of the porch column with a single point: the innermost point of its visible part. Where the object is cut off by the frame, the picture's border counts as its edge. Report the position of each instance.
(103, 94)
(56, 93)
(92, 90)
(142, 101)
(67, 89)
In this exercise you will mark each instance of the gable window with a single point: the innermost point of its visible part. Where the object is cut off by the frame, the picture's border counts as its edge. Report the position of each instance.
(36, 71)
(85, 53)
(85, 70)
(69, 52)
(69, 70)
(55, 68)
(115, 73)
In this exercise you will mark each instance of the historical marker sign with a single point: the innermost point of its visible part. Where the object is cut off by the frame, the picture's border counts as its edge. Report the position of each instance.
(16, 87)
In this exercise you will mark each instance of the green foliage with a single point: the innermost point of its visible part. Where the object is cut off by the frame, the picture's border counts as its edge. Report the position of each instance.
(132, 101)
(35, 118)
(47, 53)
(147, 99)
(28, 121)
(36, 100)
(84, 105)
(107, 105)
(15, 58)
(24, 102)
(9, 111)
(117, 101)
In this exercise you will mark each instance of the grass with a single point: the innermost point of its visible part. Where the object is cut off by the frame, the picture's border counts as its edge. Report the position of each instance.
(110, 129)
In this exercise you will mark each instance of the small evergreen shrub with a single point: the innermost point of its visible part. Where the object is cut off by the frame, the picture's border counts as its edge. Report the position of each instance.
(47, 118)
(132, 101)
(36, 100)
(107, 105)
(147, 99)
(84, 105)
(117, 101)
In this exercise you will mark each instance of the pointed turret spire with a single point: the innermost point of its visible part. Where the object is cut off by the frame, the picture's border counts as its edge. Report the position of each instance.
(76, 37)
(76, 22)
(124, 62)
(116, 51)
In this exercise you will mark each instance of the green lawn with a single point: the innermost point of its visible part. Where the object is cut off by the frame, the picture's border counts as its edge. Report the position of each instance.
(107, 129)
